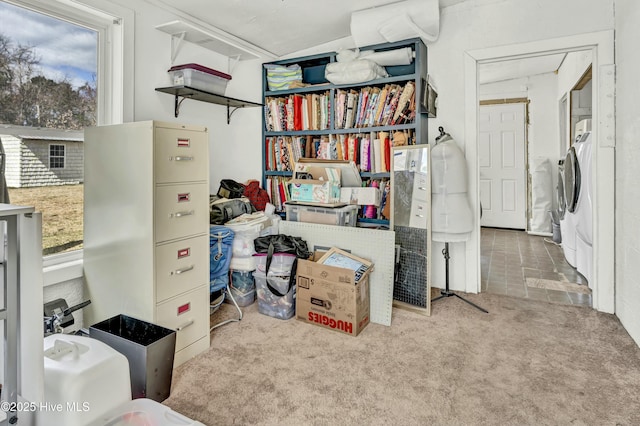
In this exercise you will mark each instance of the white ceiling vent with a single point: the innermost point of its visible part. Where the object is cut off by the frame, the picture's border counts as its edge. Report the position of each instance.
(219, 43)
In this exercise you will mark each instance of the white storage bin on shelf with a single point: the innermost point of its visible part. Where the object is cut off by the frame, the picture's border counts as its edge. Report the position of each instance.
(341, 216)
(246, 228)
(199, 77)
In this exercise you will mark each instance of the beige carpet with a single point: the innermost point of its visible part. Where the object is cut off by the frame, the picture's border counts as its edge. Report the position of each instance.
(525, 363)
(558, 285)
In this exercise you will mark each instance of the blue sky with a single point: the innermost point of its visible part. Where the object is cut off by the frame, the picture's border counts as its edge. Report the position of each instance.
(64, 49)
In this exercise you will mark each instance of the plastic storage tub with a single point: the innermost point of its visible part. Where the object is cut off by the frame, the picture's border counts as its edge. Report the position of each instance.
(341, 216)
(271, 304)
(242, 299)
(246, 228)
(281, 263)
(85, 371)
(199, 77)
(143, 411)
(242, 288)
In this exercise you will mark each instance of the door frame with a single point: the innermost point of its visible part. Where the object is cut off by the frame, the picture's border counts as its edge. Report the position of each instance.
(603, 125)
(525, 159)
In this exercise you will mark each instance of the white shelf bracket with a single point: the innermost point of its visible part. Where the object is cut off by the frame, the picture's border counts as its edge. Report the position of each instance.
(176, 44)
(232, 62)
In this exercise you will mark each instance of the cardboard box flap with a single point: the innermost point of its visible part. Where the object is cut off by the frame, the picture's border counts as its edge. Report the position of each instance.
(337, 260)
(314, 174)
(350, 175)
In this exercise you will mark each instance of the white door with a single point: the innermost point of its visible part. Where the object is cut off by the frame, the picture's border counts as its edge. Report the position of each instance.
(502, 165)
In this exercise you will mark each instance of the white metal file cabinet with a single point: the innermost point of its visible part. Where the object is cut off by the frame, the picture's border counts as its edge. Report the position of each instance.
(146, 221)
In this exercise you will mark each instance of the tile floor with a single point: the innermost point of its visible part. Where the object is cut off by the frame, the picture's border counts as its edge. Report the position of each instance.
(508, 257)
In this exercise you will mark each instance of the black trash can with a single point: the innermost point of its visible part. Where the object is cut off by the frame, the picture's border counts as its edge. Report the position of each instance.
(149, 348)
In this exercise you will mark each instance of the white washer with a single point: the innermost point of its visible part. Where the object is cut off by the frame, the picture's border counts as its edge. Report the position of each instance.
(584, 209)
(571, 179)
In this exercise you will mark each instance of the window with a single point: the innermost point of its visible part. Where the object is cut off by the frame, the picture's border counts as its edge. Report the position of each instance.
(77, 53)
(56, 156)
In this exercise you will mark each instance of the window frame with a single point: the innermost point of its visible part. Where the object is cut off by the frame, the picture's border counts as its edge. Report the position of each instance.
(57, 156)
(115, 96)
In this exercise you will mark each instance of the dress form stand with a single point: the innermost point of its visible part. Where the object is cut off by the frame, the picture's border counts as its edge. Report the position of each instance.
(452, 219)
(446, 292)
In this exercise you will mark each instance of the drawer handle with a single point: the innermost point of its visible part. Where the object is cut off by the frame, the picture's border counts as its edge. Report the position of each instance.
(185, 325)
(419, 215)
(182, 270)
(422, 188)
(182, 214)
(185, 158)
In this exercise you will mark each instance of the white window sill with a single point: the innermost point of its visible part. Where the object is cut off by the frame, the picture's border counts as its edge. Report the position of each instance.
(62, 267)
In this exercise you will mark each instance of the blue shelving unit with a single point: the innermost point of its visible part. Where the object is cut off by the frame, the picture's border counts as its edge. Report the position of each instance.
(313, 68)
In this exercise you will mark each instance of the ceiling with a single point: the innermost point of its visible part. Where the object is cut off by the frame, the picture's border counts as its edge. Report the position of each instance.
(518, 68)
(280, 27)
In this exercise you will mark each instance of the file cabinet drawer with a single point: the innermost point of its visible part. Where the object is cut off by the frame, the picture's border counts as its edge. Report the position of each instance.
(181, 211)
(181, 155)
(419, 214)
(188, 314)
(181, 266)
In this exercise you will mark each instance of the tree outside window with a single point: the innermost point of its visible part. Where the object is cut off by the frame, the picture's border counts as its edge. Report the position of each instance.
(48, 80)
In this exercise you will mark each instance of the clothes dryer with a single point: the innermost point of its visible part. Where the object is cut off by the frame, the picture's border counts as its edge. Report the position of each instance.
(583, 211)
(571, 183)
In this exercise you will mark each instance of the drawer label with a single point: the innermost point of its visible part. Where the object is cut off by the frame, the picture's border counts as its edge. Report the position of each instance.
(184, 308)
(184, 143)
(185, 252)
(185, 197)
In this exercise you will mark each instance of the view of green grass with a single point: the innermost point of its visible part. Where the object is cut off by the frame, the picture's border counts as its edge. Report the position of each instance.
(61, 207)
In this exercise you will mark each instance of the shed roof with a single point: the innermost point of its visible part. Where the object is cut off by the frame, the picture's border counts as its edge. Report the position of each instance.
(41, 133)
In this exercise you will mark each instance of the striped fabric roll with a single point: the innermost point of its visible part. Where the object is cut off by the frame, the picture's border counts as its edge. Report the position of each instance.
(280, 77)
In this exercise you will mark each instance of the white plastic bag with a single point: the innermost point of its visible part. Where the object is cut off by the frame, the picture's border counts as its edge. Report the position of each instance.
(357, 71)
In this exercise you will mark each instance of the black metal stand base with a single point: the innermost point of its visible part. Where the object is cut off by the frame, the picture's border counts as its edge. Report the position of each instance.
(448, 293)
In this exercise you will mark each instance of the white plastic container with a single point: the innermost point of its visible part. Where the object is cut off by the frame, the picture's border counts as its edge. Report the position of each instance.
(199, 77)
(85, 377)
(246, 228)
(340, 216)
(143, 411)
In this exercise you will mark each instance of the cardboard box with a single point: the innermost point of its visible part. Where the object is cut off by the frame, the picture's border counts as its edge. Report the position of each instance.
(361, 196)
(333, 297)
(315, 184)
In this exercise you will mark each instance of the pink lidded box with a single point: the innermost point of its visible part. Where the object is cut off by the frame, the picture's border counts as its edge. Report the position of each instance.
(199, 77)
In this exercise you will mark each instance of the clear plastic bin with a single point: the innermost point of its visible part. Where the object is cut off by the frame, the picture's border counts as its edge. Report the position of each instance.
(199, 77)
(341, 216)
(242, 299)
(271, 304)
(242, 281)
(246, 228)
(281, 263)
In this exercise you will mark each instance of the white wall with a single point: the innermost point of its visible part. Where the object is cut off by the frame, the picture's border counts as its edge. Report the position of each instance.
(627, 161)
(572, 69)
(234, 148)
